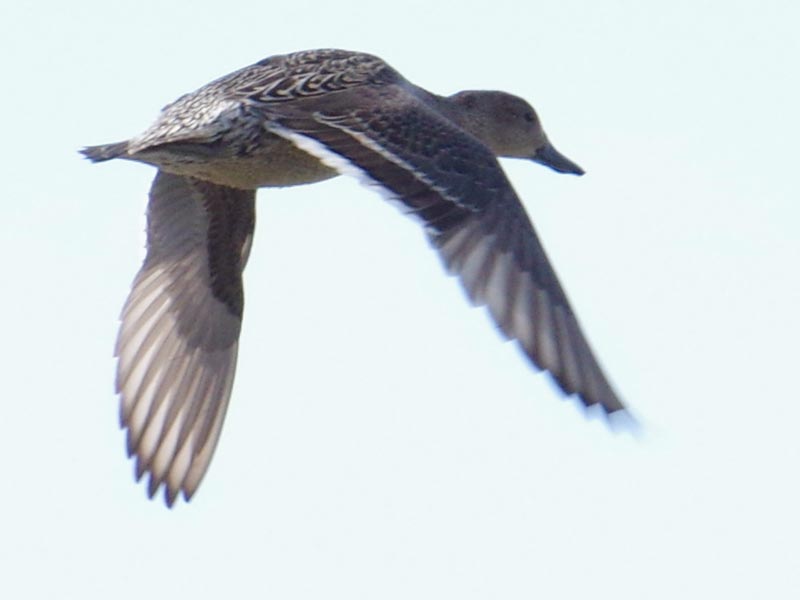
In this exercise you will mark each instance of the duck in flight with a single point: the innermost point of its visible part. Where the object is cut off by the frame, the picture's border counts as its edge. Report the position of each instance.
(302, 118)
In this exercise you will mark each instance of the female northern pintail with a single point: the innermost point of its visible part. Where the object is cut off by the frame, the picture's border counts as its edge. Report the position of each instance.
(301, 118)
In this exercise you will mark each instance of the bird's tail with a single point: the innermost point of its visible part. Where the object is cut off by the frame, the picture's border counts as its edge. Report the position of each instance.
(105, 151)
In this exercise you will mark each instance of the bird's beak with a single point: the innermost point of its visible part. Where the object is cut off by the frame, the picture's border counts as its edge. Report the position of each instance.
(550, 157)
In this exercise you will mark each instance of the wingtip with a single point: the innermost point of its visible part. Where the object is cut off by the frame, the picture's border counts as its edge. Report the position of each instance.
(140, 469)
(619, 420)
(624, 421)
(170, 495)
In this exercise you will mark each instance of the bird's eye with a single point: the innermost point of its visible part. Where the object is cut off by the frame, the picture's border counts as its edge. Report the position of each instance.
(529, 117)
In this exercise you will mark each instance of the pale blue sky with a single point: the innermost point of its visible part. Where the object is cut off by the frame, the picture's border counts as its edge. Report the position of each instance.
(382, 441)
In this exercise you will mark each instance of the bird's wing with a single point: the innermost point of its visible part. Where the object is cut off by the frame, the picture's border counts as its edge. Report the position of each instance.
(454, 185)
(178, 340)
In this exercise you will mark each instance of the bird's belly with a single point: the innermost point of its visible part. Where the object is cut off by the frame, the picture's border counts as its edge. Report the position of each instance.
(273, 162)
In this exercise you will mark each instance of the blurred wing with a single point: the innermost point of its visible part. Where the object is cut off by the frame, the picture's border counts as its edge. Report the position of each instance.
(178, 340)
(454, 185)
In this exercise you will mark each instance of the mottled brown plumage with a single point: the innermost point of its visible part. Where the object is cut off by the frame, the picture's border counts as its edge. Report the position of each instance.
(302, 118)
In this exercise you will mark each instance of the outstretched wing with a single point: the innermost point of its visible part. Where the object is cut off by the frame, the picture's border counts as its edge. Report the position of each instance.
(178, 340)
(454, 185)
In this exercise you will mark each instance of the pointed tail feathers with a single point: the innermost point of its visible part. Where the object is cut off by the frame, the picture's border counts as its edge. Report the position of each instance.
(105, 151)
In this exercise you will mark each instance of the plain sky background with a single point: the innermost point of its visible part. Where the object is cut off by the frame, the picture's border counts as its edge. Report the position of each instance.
(382, 442)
